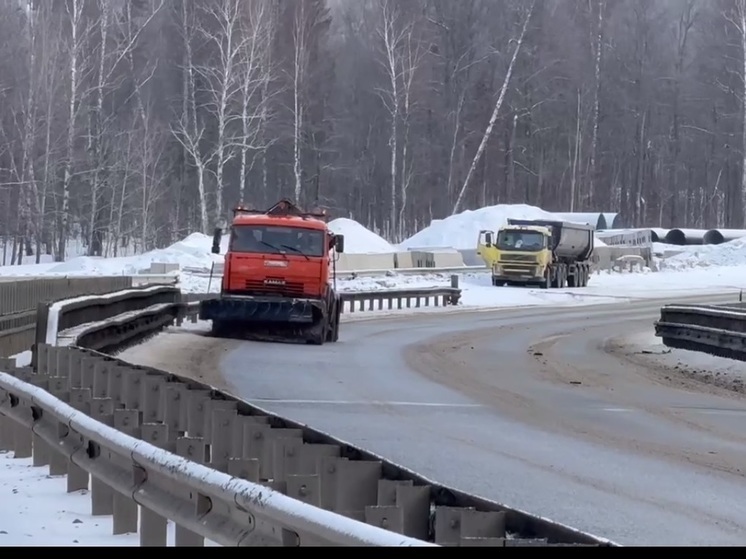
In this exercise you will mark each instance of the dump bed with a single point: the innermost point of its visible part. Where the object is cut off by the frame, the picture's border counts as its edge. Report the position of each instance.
(571, 242)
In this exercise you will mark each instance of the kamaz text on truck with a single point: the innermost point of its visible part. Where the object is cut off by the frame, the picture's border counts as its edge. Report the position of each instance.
(537, 252)
(277, 279)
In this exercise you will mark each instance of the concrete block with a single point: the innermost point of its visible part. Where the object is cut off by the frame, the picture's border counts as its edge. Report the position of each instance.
(447, 259)
(404, 260)
(354, 262)
(163, 268)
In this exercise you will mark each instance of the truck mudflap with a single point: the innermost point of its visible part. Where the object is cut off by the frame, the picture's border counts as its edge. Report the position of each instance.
(260, 310)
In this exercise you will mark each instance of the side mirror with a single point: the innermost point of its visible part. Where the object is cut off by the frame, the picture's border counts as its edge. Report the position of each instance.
(217, 236)
(339, 243)
(488, 239)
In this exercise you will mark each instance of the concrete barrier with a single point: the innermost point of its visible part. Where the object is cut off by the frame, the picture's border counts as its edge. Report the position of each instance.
(403, 260)
(352, 262)
(604, 257)
(626, 237)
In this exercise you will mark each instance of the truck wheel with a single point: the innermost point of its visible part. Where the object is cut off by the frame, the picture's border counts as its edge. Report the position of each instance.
(333, 328)
(317, 335)
(547, 283)
(219, 329)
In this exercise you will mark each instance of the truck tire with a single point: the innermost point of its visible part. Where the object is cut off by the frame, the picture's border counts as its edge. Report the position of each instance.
(317, 335)
(332, 334)
(219, 329)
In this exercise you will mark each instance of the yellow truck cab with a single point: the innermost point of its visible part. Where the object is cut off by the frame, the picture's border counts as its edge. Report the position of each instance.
(536, 252)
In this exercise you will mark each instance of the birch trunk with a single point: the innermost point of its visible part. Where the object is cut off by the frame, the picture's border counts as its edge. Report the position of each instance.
(495, 112)
(75, 12)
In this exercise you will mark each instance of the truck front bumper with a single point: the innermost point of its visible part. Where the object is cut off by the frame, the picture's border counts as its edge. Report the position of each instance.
(234, 308)
(518, 273)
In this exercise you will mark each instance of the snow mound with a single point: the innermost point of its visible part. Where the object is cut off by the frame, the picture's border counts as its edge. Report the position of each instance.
(732, 253)
(193, 251)
(461, 231)
(358, 239)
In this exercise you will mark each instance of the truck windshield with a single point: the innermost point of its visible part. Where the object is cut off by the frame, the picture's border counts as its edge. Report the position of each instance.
(270, 239)
(520, 240)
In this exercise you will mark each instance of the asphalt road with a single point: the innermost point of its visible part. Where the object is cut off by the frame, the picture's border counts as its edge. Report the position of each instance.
(526, 407)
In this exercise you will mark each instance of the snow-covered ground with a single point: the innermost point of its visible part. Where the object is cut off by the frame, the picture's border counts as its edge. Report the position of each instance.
(42, 513)
(718, 371)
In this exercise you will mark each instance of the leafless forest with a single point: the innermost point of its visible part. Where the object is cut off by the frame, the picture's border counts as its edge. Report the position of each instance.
(137, 122)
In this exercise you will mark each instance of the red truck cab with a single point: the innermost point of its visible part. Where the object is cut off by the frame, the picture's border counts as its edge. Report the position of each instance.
(278, 269)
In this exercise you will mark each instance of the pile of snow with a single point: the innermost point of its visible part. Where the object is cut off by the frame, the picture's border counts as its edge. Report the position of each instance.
(461, 231)
(732, 253)
(194, 251)
(358, 239)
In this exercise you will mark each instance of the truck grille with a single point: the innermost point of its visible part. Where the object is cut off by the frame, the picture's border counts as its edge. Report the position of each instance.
(275, 286)
(508, 258)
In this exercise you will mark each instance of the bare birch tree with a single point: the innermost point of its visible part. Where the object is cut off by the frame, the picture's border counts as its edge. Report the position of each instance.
(256, 73)
(222, 30)
(597, 42)
(76, 52)
(496, 111)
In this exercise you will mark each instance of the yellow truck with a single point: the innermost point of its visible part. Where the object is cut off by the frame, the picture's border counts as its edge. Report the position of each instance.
(549, 254)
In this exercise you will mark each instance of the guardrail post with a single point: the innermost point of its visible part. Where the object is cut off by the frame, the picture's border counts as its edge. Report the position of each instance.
(192, 448)
(6, 434)
(42, 319)
(151, 386)
(153, 527)
(174, 397)
(356, 487)
(124, 508)
(224, 423)
(22, 436)
(102, 496)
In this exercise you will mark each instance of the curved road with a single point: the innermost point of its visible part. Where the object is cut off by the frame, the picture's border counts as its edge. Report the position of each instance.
(527, 407)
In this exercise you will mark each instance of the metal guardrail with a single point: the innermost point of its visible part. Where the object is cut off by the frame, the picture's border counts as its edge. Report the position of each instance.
(96, 315)
(714, 329)
(400, 298)
(294, 462)
(362, 301)
(20, 297)
(244, 476)
(220, 503)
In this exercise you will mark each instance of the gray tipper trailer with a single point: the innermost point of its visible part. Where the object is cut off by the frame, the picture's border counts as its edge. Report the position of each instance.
(563, 260)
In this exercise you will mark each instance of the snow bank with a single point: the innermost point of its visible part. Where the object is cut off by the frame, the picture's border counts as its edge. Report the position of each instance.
(461, 231)
(732, 253)
(358, 239)
(195, 251)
